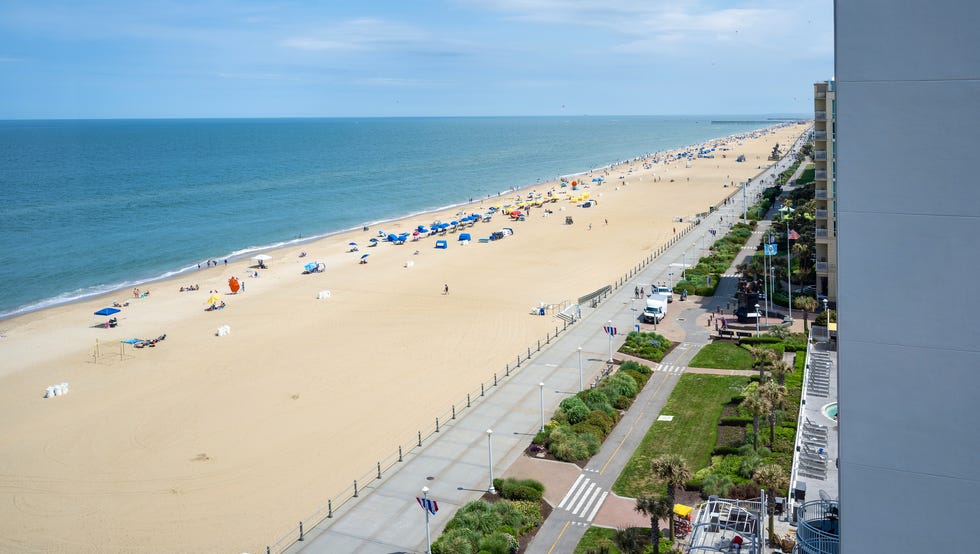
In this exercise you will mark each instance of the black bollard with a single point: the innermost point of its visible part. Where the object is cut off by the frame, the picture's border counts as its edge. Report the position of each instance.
(379, 470)
(420, 439)
(495, 379)
(355, 489)
(301, 531)
(437, 425)
(329, 508)
(454, 411)
(467, 400)
(399, 453)
(482, 392)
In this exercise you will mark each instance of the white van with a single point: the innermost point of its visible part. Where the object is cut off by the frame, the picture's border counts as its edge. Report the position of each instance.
(663, 291)
(656, 309)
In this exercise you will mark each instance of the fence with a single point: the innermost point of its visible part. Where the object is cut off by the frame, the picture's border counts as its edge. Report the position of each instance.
(326, 511)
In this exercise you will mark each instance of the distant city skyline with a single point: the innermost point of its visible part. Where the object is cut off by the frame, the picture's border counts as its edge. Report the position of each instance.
(428, 58)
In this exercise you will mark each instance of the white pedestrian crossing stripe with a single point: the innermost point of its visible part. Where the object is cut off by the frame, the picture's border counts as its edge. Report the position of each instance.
(584, 498)
(671, 368)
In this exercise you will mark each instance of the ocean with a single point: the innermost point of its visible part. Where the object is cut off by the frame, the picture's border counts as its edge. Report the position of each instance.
(89, 206)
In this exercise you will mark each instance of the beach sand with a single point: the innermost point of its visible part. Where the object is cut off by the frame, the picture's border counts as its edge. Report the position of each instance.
(221, 444)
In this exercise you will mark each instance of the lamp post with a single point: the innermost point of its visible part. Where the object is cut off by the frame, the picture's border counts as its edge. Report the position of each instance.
(541, 386)
(490, 490)
(609, 324)
(428, 540)
(580, 383)
(827, 314)
(757, 319)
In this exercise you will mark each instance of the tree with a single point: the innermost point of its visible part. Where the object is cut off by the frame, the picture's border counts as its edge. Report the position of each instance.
(771, 478)
(774, 396)
(808, 305)
(656, 508)
(780, 370)
(763, 358)
(756, 405)
(673, 469)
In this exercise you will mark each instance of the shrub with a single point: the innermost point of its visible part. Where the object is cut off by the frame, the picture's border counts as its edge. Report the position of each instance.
(571, 447)
(622, 384)
(541, 437)
(457, 541)
(724, 451)
(649, 346)
(640, 378)
(519, 489)
(584, 427)
(761, 339)
(630, 365)
(622, 403)
(498, 543)
(602, 420)
(632, 540)
(574, 409)
(530, 514)
(595, 400)
(745, 491)
(510, 516)
(477, 515)
(821, 318)
(735, 420)
(716, 484)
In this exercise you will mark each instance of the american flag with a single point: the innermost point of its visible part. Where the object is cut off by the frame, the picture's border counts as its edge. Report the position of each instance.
(793, 235)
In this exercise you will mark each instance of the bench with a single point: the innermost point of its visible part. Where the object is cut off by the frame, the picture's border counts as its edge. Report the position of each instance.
(741, 334)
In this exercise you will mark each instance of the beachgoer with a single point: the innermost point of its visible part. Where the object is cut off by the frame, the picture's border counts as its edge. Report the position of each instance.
(636, 292)
(590, 226)
(226, 261)
(445, 289)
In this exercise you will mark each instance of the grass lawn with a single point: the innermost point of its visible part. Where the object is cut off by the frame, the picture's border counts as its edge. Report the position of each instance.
(696, 405)
(594, 537)
(722, 355)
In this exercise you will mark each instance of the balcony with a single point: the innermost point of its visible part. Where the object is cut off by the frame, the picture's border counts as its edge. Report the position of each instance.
(820, 155)
(823, 267)
(819, 527)
(820, 194)
(822, 115)
(820, 135)
(820, 214)
(820, 94)
(822, 233)
(820, 174)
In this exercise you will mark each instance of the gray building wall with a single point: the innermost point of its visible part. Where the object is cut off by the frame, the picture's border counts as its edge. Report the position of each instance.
(908, 119)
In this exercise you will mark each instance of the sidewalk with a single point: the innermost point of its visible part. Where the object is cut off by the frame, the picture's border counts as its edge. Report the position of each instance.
(455, 466)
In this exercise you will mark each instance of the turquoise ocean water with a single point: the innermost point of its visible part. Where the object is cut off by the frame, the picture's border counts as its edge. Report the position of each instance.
(91, 206)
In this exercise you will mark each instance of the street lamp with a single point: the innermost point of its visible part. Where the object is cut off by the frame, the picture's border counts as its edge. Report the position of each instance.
(541, 385)
(428, 540)
(581, 387)
(757, 319)
(827, 314)
(490, 490)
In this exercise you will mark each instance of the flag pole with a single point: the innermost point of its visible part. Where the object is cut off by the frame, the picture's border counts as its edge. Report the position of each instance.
(789, 273)
(428, 540)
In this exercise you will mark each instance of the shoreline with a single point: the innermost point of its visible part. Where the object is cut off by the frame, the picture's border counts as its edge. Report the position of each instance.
(91, 293)
(153, 445)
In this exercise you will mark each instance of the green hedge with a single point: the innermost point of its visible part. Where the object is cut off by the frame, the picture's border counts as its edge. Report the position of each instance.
(649, 346)
(723, 252)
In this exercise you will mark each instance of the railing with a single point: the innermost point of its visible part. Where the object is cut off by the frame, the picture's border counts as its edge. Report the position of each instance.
(822, 233)
(823, 267)
(820, 214)
(820, 94)
(820, 194)
(820, 114)
(820, 155)
(818, 531)
(448, 417)
(820, 135)
(820, 174)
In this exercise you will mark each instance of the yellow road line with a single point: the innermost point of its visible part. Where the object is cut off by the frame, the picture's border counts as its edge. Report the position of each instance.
(554, 544)
(628, 433)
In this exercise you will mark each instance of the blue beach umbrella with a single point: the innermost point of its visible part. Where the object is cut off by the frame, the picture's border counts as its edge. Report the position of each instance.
(107, 311)
(364, 256)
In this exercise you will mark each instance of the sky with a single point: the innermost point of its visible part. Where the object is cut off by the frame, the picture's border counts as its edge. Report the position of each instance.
(373, 58)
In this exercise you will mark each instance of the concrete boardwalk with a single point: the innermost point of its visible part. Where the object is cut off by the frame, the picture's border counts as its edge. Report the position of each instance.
(456, 465)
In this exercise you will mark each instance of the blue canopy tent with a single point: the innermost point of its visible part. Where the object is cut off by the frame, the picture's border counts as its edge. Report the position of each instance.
(464, 236)
(442, 244)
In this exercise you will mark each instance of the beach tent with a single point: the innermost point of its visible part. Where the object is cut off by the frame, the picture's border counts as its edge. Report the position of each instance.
(234, 285)
(107, 311)
(464, 236)
(442, 244)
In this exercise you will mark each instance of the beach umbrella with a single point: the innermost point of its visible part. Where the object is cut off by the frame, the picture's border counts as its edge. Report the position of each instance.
(364, 256)
(374, 240)
(351, 244)
(107, 311)
(234, 285)
(213, 299)
(261, 258)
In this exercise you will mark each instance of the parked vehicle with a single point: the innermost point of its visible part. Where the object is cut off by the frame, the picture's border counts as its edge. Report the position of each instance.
(656, 309)
(663, 291)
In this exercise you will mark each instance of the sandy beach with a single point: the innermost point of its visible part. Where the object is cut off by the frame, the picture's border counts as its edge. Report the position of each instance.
(208, 443)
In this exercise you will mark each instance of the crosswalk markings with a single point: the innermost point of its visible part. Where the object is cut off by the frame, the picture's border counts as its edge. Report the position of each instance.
(584, 498)
(671, 368)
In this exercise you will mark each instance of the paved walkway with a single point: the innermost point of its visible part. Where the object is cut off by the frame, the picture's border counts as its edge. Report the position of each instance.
(455, 466)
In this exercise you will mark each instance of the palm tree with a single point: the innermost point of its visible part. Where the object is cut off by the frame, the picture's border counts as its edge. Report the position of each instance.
(763, 358)
(772, 478)
(673, 469)
(756, 405)
(774, 395)
(780, 370)
(656, 508)
(808, 305)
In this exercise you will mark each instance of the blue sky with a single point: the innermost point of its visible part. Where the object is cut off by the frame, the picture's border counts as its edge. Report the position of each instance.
(223, 58)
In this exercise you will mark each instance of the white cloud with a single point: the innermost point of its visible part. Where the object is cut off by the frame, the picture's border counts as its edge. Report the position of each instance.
(358, 34)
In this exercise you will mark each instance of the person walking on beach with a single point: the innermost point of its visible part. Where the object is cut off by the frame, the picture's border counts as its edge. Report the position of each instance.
(445, 289)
